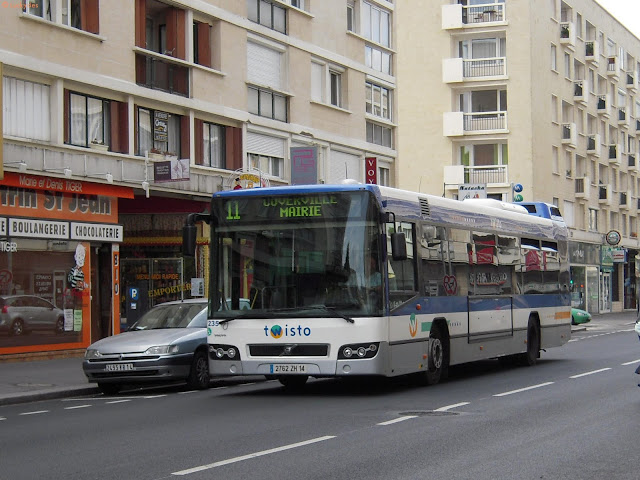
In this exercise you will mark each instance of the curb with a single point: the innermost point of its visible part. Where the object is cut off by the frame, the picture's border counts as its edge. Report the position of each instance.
(15, 398)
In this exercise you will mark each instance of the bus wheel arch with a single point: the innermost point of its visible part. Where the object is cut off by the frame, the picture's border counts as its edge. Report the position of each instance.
(438, 356)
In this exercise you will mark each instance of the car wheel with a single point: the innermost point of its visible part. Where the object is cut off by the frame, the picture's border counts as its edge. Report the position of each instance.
(293, 382)
(109, 388)
(530, 358)
(199, 373)
(60, 325)
(17, 328)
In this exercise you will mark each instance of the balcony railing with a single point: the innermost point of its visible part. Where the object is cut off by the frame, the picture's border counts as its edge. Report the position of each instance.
(484, 67)
(163, 75)
(486, 174)
(480, 121)
(488, 12)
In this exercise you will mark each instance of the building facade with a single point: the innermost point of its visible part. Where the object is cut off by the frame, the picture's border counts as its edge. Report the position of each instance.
(150, 106)
(538, 95)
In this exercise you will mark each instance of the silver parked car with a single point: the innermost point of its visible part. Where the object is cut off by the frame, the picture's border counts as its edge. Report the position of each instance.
(20, 314)
(168, 343)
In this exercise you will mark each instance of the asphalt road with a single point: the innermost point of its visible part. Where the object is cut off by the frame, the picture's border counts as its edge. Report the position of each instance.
(573, 416)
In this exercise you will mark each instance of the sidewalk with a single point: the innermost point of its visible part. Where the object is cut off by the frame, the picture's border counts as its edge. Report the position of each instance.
(28, 381)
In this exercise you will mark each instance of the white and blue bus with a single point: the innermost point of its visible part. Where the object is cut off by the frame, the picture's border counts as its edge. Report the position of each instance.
(351, 280)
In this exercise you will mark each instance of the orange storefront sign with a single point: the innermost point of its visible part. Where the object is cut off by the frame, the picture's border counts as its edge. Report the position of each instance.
(25, 195)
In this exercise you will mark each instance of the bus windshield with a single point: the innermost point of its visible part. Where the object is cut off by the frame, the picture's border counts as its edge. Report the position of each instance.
(296, 256)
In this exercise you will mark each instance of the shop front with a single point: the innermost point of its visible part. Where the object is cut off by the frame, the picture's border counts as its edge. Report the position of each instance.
(59, 262)
(585, 275)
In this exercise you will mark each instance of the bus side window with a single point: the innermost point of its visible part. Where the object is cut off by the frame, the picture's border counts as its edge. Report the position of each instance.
(404, 271)
(433, 258)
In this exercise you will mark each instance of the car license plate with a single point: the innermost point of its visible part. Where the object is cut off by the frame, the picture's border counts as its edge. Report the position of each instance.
(289, 368)
(118, 367)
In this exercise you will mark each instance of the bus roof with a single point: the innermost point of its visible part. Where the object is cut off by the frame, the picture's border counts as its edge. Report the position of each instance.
(487, 216)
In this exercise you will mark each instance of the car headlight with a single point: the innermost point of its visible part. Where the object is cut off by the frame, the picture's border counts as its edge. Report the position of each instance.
(92, 353)
(162, 350)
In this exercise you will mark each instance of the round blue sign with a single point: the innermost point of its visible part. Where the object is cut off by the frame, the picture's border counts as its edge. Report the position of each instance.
(518, 187)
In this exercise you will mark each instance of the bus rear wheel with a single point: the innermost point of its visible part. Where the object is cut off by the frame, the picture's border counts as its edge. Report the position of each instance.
(530, 357)
(294, 381)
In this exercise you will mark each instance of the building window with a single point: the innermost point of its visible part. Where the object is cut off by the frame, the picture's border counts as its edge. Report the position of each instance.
(273, 166)
(554, 58)
(377, 59)
(26, 111)
(384, 176)
(379, 135)
(267, 104)
(378, 101)
(158, 132)
(268, 14)
(376, 24)
(351, 16)
(90, 120)
(80, 14)
(213, 145)
(326, 83)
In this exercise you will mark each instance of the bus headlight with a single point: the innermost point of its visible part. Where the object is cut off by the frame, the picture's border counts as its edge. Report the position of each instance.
(361, 350)
(223, 352)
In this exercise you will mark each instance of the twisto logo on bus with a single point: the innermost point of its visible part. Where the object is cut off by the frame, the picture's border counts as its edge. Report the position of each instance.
(278, 332)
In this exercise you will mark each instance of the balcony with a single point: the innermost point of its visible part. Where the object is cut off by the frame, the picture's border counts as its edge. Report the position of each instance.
(459, 123)
(458, 70)
(623, 119)
(604, 105)
(614, 155)
(592, 52)
(580, 91)
(593, 144)
(488, 174)
(458, 16)
(568, 35)
(604, 194)
(164, 74)
(613, 68)
(583, 188)
(569, 135)
(632, 82)
(632, 163)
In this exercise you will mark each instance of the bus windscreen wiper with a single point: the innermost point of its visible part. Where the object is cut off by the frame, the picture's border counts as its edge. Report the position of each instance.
(332, 309)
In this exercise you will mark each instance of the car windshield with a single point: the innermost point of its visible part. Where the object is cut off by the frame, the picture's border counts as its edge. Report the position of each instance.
(179, 315)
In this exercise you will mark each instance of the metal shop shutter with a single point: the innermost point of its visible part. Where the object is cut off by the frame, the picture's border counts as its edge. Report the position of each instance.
(343, 166)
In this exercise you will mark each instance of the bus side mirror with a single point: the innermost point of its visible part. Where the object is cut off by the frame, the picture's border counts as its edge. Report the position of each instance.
(189, 233)
(398, 246)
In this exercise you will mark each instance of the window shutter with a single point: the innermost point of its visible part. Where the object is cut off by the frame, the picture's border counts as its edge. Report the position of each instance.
(141, 24)
(175, 33)
(67, 118)
(204, 44)
(89, 16)
(265, 145)
(233, 145)
(343, 166)
(198, 138)
(263, 66)
(26, 111)
(185, 137)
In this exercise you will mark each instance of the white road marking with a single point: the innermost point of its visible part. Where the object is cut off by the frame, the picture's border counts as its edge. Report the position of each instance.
(449, 407)
(2, 418)
(504, 394)
(252, 455)
(631, 363)
(190, 391)
(35, 412)
(590, 373)
(119, 401)
(77, 406)
(396, 420)
(156, 396)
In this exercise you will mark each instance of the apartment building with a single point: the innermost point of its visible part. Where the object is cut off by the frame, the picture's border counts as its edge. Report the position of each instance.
(541, 95)
(121, 117)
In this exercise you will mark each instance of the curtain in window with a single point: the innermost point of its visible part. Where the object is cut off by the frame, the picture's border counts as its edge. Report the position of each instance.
(145, 143)
(94, 120)
(78, 120)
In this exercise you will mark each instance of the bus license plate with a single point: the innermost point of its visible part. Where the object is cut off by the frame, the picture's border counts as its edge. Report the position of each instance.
(118, 367)
(289, 368)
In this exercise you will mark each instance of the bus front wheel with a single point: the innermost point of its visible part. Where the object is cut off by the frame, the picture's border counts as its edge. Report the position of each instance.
(436, 366)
